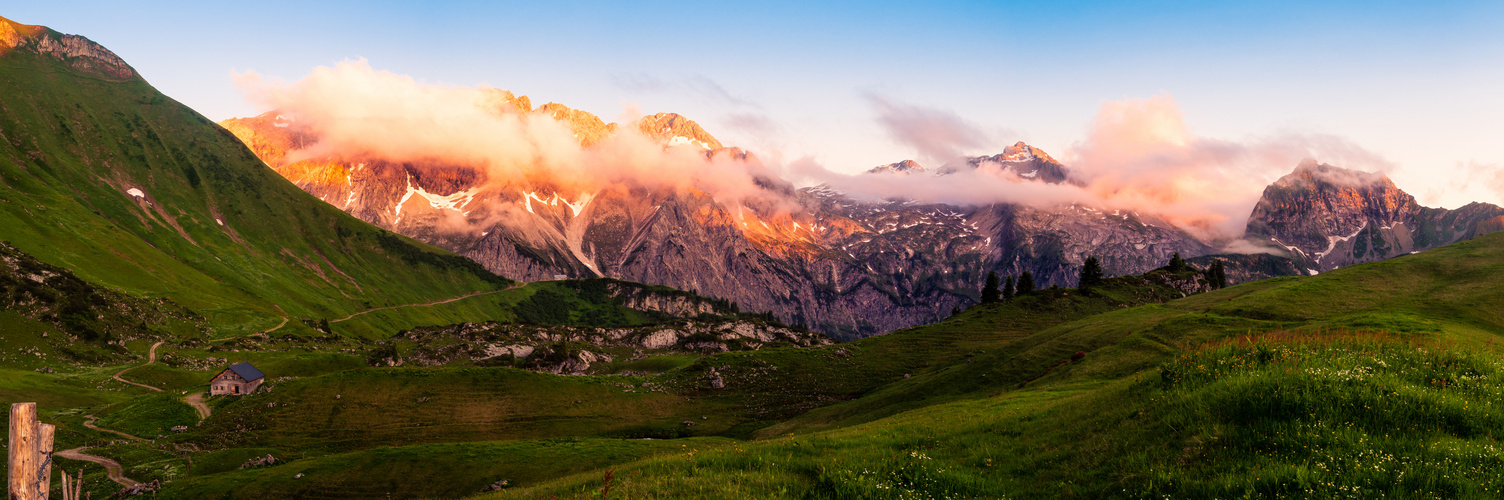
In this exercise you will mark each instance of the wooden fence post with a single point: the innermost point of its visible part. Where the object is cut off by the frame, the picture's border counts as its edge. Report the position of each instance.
(23, 461)
(44, 455)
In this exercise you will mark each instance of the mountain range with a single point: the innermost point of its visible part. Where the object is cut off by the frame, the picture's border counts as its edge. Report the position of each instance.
(844, 266)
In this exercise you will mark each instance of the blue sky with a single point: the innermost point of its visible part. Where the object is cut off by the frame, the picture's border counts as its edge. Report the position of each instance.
(1415, 83)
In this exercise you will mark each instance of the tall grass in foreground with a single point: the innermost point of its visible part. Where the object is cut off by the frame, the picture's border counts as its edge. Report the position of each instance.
(1279, 415)
(1347, 415)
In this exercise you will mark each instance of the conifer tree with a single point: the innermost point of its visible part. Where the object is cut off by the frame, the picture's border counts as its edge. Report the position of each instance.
(990, 292)
(1091, 274)
(1217, 274)
(1008, 290)
(1177, 264)
(1025, 283)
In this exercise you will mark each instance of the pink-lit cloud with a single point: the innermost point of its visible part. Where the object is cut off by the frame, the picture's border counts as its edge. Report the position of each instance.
(358, 111)
(938, 135)
(1138, 154)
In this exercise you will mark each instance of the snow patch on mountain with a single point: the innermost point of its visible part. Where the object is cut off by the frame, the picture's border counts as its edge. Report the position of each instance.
(681, 140)
(574, 207)
(1332, 241)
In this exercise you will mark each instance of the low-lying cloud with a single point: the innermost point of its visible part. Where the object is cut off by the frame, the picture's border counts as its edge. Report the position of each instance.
(357, 112)
(1138, 154)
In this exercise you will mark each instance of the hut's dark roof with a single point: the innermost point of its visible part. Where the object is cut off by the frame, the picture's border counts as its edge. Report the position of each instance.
(246, 371)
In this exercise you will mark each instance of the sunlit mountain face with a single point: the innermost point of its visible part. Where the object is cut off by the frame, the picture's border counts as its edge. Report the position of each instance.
(538, 192)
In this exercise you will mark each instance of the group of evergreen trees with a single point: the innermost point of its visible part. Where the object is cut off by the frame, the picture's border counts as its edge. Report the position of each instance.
(1217, 274)
(1092, 276)
(991, 293)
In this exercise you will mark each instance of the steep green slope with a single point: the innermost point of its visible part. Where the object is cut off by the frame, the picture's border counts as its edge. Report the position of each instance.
(347, 417)
(133, 191)
(1378, 380)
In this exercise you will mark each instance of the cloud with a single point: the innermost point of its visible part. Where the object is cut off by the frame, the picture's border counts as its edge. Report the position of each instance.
(937, 135)
(703, 87)
(714, 92)
(1473, 177)
(640, 82)
(1491, 175)
(1253, 246)
(1138, 154)
(357, 112)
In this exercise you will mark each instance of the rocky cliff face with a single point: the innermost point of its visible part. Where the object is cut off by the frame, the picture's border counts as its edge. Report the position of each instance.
(77, 52)
(1328, 217)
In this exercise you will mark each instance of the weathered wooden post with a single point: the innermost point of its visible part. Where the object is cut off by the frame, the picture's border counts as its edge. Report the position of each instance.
(24, 463)
(44, 454)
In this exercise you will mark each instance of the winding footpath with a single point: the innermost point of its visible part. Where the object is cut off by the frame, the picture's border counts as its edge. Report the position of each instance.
(111, 467)
(434, 303)
(196, 400)
(279, 326)
(90, 424)
(151, 358)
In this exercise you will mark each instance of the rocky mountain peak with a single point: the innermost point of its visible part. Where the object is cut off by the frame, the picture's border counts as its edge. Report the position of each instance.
(1023, 160)
(1020, 152)
(13, 33)
(1328, 216)
(1326, 188)
(675, 129)
(904, 167)
(75, 51)
(1317, 175)
(505, 101)
(588, 128)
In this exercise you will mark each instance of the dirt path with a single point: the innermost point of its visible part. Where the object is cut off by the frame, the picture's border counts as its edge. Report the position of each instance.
(196, 400)
(89, 422)
(113, 468)
(273, 329)
(151, 358)
(434, 303)
(267, 332)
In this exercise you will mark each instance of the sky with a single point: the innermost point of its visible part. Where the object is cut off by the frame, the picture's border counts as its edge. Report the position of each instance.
(1414, 86)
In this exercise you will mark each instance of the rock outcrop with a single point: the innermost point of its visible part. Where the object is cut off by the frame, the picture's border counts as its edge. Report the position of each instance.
(1328, 217)
(77, 52)
(574, 350)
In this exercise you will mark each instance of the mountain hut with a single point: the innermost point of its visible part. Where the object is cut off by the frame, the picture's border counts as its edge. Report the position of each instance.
(239, 379)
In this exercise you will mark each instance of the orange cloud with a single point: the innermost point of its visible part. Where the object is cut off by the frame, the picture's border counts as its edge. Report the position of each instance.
(356, 111)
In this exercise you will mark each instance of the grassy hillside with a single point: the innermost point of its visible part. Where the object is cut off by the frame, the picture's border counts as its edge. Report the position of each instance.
(137, 193)
(1377, 380)
(353, 417)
